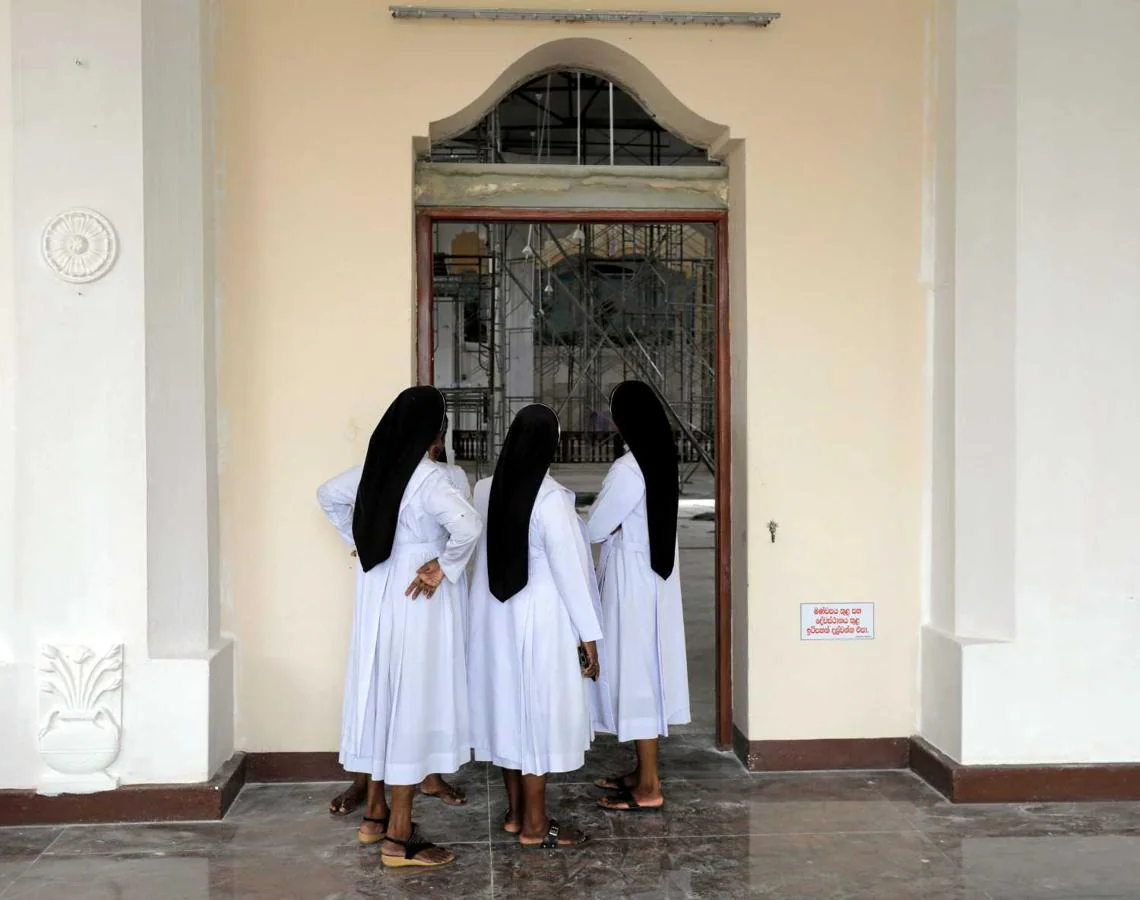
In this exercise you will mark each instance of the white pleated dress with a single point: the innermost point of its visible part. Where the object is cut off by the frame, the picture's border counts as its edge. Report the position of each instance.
(644, 652)
(462, 484)
(530, 707)
(405, 695)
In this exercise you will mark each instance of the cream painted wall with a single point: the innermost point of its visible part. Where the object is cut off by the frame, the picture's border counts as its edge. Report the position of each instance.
(318, 105)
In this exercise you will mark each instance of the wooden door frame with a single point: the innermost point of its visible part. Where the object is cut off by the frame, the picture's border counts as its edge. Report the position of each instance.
(425, 364)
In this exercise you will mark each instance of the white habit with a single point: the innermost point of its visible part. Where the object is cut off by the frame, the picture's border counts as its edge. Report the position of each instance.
(529, 706)
(405, 697)
(460, 482)
(644, 652)
(458, 479)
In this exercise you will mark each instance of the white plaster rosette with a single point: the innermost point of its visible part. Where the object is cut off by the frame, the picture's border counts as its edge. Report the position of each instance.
(79, 246)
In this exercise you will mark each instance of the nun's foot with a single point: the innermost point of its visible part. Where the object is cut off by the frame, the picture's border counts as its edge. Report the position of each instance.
(435, 786)
(372, 830)
(350, 798)
(553, 837)
(512, 822)
(634, 800)
(618, 782)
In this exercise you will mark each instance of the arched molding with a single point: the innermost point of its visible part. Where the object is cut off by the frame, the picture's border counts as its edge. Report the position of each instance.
(598, 58)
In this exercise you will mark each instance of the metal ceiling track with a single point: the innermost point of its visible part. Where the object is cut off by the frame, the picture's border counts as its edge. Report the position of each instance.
(585, 16)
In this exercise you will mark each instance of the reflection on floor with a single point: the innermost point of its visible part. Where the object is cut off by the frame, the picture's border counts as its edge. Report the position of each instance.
(723, 833)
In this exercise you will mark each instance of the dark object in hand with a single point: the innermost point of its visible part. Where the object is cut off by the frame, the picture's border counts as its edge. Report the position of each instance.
(584, 661)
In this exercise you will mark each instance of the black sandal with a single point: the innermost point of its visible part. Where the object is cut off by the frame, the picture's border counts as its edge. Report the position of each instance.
(413, 846)
(367, 839)
(550, 842)
(631, 804)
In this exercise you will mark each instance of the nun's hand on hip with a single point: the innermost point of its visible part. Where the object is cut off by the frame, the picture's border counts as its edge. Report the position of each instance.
(428, 578)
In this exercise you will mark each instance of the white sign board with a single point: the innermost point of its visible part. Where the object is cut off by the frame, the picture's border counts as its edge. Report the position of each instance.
(820, 622)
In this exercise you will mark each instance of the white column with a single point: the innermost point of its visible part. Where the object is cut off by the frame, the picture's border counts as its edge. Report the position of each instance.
(1039, 663)
(1064, 691)
(939, 245)
(971, 343)
(985, 316)
(14, 755)
(940, 717)
(115, 516)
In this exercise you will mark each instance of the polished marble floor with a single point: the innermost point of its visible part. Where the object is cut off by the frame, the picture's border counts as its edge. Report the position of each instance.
(724, 833)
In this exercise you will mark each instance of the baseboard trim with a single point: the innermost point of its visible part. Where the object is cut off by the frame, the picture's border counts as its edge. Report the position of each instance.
(204, 801)
(1024, 784)
(821, 755)
(740, 748)
(930, 765)
(130, 803)
(293, 767)
(958, 783)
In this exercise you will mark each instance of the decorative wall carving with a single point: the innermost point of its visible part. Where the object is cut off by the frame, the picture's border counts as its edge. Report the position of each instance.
(79, 246)
(81, 706)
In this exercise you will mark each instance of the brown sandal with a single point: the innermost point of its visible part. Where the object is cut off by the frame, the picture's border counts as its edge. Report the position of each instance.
(367, 838)
(413, 846)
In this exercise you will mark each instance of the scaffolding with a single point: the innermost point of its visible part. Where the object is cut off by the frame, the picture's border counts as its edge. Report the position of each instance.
(570, 118)
(560, 314)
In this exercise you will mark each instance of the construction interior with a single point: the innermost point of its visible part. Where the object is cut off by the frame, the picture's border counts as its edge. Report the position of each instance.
(561, 312)
(569, 117)
(546, 310)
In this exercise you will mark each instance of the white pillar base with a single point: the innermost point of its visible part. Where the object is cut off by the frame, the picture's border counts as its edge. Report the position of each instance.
(53, 784)
(178, 719)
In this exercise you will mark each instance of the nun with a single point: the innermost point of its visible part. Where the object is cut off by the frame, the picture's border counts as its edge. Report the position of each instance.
(405, 700)
(535, 624)
(459, 480)
(635, 520)
(434, 785)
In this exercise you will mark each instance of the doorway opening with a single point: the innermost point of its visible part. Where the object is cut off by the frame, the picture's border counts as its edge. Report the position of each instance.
(558, 307)
(567, 240)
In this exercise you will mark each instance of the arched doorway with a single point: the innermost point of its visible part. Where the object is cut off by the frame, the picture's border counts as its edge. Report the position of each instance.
(593, 248)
